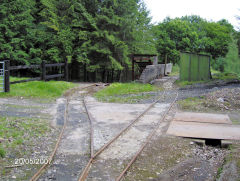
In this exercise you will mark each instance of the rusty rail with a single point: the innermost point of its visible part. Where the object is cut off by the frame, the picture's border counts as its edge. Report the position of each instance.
(91, 127)
(146, 142)
(39, 172)
(87, 168)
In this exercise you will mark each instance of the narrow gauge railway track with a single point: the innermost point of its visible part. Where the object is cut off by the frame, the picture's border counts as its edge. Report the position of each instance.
(105, 146)
(66, 119)
(148, 139)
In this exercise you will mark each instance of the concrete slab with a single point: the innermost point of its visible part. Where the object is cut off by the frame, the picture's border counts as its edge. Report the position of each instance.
(204, 130)
(203, 118)
(110, 118)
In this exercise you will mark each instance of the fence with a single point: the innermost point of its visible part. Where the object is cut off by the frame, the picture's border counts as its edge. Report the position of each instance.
(43, 75)
(2, 76)
(194, 67)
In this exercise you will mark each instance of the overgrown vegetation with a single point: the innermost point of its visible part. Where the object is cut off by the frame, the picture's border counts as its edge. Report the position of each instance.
(100, 34)
(230, 63)
(18, 138)
(12, 79)
(219, 100)
(194, 34)
(125, 92)
(234, 156)
(38, 89)
(192, 103)
(125, 88)
(225, 76)
(175, 70)
(15, 131)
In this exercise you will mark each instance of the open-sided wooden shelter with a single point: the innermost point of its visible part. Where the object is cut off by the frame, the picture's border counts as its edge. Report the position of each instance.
(142, 60)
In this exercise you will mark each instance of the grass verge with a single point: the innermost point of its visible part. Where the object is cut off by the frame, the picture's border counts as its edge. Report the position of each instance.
(12, 79)
(38, 89)
(18, 138)
(192, 103)
(125, 92)
(234, 156)
(14, 131)
(215, 77)
(225, 76)
(175, 70)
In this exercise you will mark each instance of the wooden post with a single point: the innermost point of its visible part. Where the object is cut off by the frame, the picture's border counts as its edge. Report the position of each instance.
(108, 76)
(133, 68)
(66, 70)
(7, 76)
(103, 75)
(85, 73)
(43, 67)
(112, 74)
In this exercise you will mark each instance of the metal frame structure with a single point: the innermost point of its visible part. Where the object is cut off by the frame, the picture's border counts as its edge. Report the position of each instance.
(2, 76)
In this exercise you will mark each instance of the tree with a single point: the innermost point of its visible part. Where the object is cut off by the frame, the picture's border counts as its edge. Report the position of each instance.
(17, 30)
(101, 34)
(194, 34)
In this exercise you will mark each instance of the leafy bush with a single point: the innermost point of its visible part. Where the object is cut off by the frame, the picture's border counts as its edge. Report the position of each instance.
(230, 63)
(219, 64)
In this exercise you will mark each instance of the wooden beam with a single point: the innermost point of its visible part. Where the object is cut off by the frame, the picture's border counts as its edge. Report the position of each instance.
(7, 76)
(26, 80)
(55, 65)
(24, 67)
(54, 76)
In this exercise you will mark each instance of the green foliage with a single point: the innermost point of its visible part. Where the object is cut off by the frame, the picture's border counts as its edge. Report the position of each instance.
(100, 34)
(230, 63)
(124, 99)
(19, 130)
(193, 34)
(186, 83)
(125, 88)
(2, 152)
(16, 29)
(191, 103)
(37, 89)
(125, 92)
(175, 70)
(226, 76)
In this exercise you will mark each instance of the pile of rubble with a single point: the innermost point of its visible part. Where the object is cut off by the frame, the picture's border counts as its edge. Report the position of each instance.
(225, 99)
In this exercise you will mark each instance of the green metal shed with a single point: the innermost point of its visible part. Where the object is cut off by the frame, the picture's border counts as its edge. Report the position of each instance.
(194, 67)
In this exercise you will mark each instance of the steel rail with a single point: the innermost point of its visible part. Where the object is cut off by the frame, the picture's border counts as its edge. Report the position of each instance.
(84, 174)
(39, 172)
(91, 128)
(146, 142)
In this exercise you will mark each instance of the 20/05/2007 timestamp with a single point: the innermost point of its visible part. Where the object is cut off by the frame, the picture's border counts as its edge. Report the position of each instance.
(31, 161)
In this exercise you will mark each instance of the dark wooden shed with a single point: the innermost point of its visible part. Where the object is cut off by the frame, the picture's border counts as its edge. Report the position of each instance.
(142, 60)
